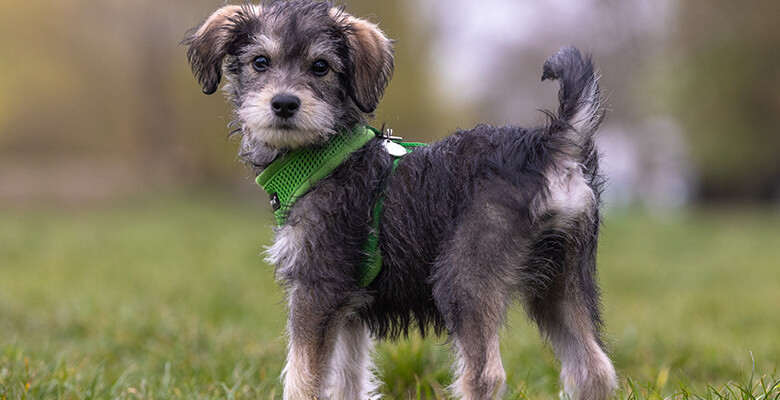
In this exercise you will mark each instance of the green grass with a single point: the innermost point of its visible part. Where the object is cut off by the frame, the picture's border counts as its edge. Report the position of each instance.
(169, 298)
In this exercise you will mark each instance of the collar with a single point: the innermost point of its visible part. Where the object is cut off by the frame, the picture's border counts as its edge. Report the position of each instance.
(293, 174)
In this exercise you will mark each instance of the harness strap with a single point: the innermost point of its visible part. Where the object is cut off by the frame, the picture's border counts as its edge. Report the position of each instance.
(373, 263)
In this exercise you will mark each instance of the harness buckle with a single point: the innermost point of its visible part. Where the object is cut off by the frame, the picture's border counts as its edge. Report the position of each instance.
(388, 134)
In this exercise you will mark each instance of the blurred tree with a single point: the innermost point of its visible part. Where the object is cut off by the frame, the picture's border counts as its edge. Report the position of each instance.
(107, 83)
(728, 96)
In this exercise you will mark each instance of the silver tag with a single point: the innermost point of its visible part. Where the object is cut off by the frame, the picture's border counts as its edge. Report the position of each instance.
(395, 149)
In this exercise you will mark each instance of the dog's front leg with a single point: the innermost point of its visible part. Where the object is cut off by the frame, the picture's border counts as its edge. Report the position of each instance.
(352, 371)
(315, 316)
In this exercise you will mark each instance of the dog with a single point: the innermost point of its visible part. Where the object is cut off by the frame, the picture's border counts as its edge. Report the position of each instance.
(468, 224)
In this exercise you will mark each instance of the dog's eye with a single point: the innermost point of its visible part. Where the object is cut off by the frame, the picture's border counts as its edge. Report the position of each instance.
(320, 68)
(260, 63)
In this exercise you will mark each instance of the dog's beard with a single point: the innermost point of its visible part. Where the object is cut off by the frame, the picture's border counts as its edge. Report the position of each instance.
(312, 124)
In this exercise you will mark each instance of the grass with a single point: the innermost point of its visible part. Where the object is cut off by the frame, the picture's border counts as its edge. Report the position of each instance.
(169, 299)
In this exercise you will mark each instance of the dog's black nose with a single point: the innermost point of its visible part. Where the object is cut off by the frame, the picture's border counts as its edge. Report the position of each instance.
(285, 105)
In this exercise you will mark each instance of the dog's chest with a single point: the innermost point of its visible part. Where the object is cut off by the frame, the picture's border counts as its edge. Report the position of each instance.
(286, 249)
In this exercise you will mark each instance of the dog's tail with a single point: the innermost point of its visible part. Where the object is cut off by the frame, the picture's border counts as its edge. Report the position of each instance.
(580, 112)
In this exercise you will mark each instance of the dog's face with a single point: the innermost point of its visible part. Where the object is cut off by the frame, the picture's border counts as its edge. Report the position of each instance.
(298, 71)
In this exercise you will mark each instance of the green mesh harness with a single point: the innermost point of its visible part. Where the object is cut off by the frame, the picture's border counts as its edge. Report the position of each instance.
(292, 175)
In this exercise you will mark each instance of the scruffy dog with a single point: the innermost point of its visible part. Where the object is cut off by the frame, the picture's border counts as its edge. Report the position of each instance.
(467, 224)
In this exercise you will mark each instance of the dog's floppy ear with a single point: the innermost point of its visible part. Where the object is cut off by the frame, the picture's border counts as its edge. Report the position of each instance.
(371, 56)
(213, 40)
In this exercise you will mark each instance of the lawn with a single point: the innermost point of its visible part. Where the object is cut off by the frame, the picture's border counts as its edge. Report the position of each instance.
(169, 298)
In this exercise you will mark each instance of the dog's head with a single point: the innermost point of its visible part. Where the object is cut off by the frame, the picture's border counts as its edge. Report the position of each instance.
(298, 71)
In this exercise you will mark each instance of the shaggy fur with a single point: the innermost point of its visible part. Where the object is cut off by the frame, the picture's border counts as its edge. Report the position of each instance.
(469, 224)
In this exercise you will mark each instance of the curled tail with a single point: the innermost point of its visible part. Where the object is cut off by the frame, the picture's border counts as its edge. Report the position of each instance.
(580, 97)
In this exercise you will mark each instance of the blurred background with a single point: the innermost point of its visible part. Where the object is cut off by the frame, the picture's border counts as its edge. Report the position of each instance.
(130, 235)
(98, 102)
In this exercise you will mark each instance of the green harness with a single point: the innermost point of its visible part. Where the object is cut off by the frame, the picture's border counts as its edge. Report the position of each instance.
(292, 175)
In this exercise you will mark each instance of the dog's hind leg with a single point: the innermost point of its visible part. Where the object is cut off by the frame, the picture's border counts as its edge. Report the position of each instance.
(567, 313)
(586, 371)
(472, 283)
(480, 372)
(473, 309)
(352, 371)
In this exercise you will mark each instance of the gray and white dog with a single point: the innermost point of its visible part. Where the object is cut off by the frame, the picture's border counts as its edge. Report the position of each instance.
(469, 224)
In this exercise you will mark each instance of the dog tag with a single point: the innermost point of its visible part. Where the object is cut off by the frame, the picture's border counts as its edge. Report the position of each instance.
(395, 149)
